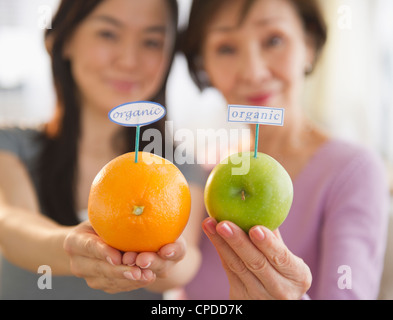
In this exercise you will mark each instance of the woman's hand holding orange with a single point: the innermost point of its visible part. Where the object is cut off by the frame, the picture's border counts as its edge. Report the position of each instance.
(160, 262)
(108, 269)
(258, 266)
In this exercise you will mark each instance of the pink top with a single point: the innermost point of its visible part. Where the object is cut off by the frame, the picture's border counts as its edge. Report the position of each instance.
(337, 225)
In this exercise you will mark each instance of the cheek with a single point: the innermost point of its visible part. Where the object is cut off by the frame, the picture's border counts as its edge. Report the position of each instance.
(299, 60)
(88, 65)
(221, 78)
(154, 72)
(154, 67)
(291, 67)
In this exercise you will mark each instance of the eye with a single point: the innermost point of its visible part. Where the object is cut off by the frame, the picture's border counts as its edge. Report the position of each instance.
(226, 50)
(153, 44)
(107, 34)
(274, 41)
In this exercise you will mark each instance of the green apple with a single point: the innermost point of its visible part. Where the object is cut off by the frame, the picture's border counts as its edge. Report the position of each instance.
(249, 191)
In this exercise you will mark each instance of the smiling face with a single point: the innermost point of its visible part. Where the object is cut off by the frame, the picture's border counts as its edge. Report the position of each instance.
(121, 52)
(259, 60)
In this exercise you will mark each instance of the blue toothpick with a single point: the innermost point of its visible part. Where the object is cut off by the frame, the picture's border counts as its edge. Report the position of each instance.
(256, 141)
(138, 132)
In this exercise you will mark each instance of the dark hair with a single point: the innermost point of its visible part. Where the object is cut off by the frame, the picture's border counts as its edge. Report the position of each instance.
(203, 11)
(57, 164)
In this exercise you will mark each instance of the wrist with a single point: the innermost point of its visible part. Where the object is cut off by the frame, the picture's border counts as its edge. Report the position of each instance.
(61, 264)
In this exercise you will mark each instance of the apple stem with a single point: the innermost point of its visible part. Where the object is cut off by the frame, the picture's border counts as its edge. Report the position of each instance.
(243, 196)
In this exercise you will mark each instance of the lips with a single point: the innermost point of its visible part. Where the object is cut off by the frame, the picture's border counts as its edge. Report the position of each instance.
(259, 99)
(122, 85)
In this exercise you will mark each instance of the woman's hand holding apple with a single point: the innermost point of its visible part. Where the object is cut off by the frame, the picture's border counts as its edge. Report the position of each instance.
(258, 266)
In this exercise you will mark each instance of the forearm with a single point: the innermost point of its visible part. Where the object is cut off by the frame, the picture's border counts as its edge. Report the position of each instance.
(181, 274)
(29, 240)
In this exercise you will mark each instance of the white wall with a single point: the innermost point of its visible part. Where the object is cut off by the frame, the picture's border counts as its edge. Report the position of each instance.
(25, 82)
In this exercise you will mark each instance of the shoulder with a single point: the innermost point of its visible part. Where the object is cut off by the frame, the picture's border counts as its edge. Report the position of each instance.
(348, 159)
(357, 174)
(340, 171)
(15, 136)
(338, 159)
(25, 143)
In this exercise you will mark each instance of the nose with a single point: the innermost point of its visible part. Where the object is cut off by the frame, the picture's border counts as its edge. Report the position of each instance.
(253, 67)
(128, 57)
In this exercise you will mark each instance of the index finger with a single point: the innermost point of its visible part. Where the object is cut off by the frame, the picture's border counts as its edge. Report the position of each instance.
(252, 257)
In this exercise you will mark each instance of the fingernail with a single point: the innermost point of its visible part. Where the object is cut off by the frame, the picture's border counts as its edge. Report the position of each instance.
(170, 254)
(146, 266)
(109, 259)
(258, 234)
(226, 230)
(147, 275)
(210, 227)
(128, 275)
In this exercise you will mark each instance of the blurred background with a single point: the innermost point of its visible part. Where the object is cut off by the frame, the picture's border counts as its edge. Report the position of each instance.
(350, 93)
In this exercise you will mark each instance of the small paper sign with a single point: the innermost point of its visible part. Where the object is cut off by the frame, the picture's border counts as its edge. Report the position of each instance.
(256, 115)
(137, 114)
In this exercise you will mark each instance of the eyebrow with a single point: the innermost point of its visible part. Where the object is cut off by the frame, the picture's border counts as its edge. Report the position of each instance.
(259, 23)
(119, 24)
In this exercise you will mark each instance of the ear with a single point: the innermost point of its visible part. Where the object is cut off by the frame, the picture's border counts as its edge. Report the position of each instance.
(310, 54)
(49, 43)
(67, 50)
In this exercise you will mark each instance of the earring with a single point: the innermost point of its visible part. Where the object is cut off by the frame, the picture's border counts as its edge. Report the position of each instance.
(203, 78)
(309, 68)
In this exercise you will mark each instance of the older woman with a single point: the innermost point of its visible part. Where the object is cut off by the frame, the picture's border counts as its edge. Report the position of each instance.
(258, 52)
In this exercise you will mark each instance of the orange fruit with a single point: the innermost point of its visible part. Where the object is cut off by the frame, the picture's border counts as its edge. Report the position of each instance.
(139, 206)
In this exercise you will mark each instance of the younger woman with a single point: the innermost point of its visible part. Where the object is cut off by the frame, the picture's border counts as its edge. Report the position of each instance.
(104, 53)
